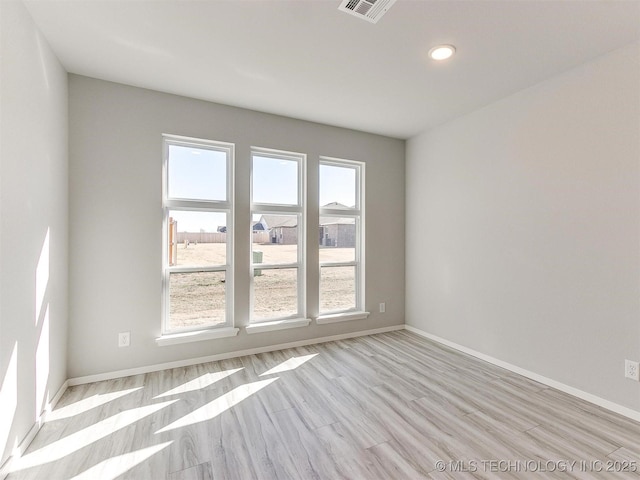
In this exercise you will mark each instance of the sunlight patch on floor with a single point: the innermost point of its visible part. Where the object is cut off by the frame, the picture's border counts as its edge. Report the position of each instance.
(113, 467)
(87, 404)
(201, 382)
(82, 438)
(290, 364)
(220, 405)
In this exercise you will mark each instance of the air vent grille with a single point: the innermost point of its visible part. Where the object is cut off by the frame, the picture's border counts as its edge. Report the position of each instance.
(369, 10)
(363, 8)
(351, 4)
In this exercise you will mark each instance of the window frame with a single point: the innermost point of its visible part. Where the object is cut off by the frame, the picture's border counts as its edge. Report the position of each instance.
(281, 209)
(213, 206)
(358, 214)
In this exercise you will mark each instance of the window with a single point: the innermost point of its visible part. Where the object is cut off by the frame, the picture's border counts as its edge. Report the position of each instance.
(198, 230)
(341, 236)
(278, 230)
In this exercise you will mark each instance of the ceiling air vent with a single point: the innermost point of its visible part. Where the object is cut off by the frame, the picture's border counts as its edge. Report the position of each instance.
(369, 10)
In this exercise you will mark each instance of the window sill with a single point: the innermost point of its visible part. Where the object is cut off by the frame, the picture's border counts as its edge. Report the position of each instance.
(341, 317)
(277, 325)
(187, 337)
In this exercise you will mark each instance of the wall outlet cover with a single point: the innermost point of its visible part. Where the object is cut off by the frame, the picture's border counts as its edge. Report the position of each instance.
(124, 339)
(632, 370)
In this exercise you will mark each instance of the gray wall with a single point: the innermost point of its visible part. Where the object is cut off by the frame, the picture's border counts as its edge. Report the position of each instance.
(524, 233)
(33, 201)
(115, 185)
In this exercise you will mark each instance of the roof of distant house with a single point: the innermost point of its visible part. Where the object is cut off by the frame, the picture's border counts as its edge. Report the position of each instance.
(337, 205)
(276, 221)
(325, 220)
(273, 221)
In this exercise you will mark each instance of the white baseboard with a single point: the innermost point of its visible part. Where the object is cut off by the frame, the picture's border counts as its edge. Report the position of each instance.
(5, 469)
(223, 356)
(56, 398)
(601, 402)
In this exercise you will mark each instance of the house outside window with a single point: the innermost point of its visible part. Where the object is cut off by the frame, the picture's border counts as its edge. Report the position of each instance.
(341, 236)
(278, 287)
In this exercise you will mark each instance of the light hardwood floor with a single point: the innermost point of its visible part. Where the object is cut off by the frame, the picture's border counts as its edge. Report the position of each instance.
(389, 406)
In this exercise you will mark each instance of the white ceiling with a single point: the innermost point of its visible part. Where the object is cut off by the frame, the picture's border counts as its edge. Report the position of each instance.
(307, 60)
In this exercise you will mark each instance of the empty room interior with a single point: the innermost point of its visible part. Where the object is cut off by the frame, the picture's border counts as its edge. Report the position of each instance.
(319, 239)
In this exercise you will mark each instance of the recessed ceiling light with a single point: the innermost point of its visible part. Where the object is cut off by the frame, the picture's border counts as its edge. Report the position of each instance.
(442, 52)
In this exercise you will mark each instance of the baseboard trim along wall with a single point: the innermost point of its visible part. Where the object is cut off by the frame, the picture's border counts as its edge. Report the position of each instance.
(223, 356)
(601, 402)
(5, 468)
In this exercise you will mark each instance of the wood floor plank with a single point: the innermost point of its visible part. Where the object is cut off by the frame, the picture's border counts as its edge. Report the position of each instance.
(312, 460)
(387, 406)
(270, 457)
(202, 471)
(421, 446)
(393, 463)
(554, 396)
(350, 460)
(626, 460)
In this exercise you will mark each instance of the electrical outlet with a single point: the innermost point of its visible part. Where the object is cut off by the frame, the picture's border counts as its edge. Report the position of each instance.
(124, 339)
(632, 370)
(383, 307)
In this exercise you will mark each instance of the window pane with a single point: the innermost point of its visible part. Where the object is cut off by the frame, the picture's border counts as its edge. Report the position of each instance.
(275, 238)
(334, 254)
(337, 239)
(337, 288)
(197, 238)
(337, 187)
(275, 293)
(196, 299)
(197, 173)
(275, 181)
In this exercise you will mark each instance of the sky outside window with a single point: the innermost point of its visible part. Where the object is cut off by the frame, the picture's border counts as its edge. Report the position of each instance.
(196, 222)
(337, 184)
(197, 173)
(200, 174)
(275, 181)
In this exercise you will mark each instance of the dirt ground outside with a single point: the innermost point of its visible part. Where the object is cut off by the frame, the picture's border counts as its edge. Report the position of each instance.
(199, 298)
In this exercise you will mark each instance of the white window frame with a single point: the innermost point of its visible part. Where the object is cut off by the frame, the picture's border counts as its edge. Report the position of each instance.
(171, 336)
(299, 318)
(358, 214)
